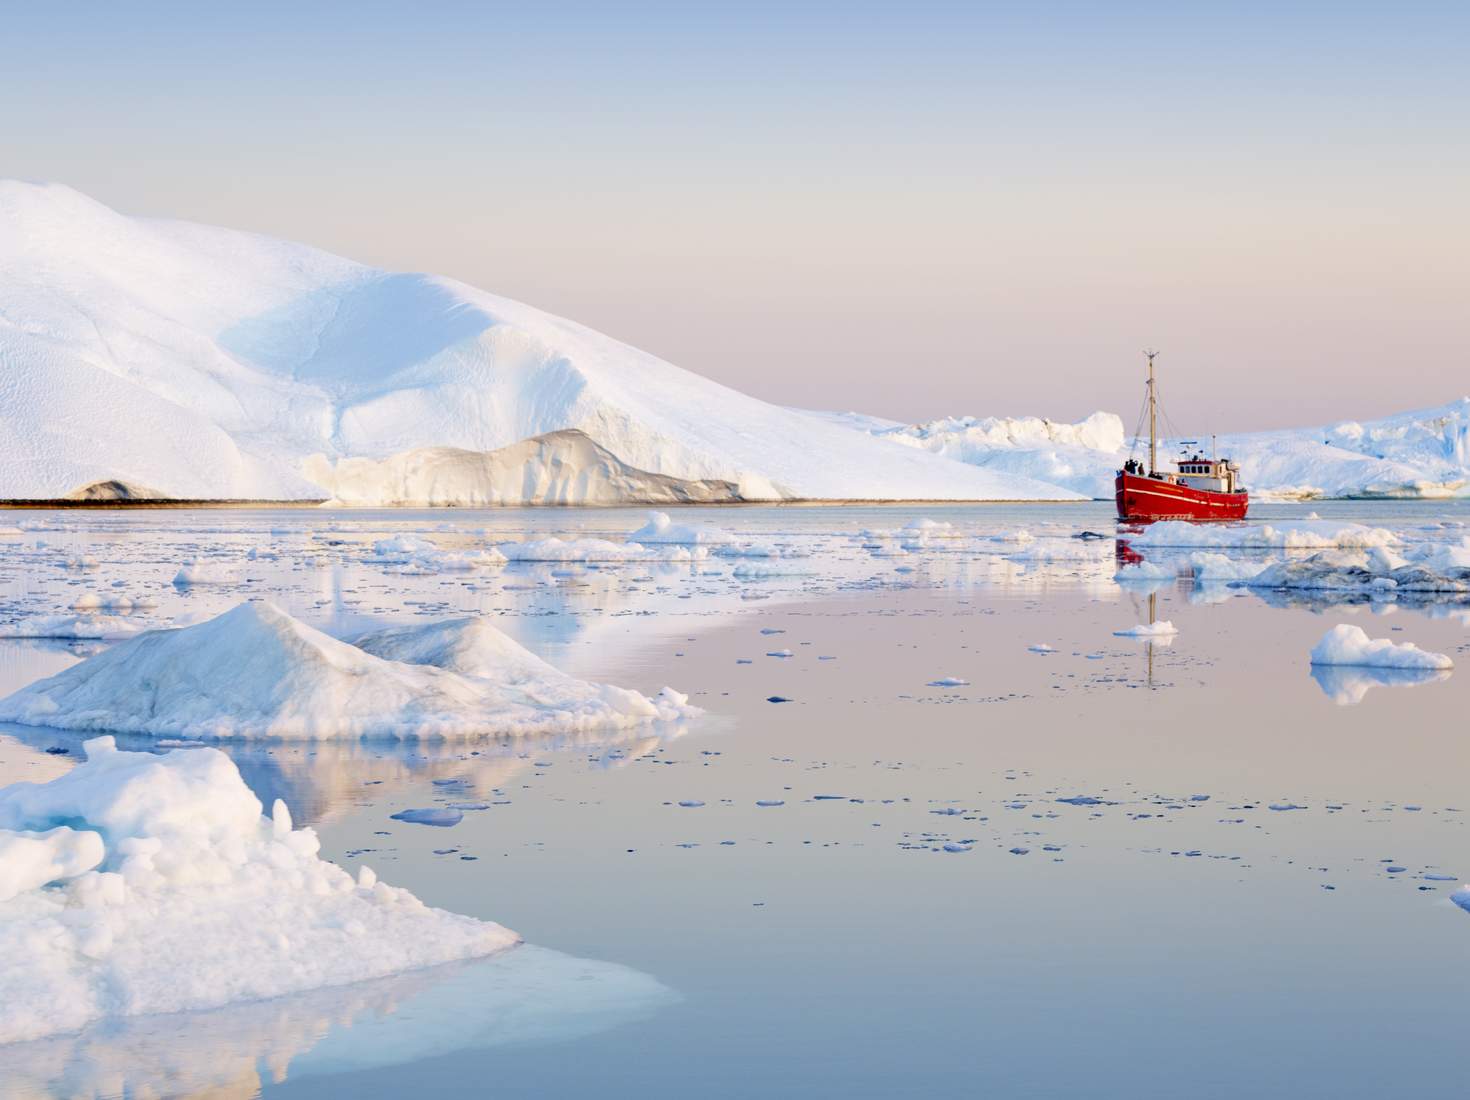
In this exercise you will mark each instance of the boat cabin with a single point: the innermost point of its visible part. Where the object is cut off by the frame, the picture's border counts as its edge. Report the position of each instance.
(1209, 474)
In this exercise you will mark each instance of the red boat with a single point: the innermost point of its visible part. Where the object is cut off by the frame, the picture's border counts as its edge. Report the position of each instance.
(1202, 489)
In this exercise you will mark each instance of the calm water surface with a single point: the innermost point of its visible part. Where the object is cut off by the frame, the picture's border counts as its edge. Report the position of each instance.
(916, 909)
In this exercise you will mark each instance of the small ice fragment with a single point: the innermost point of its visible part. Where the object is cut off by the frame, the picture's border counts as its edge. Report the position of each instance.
(765, 802)
(442, 817)
(691, 803)
(949, 682)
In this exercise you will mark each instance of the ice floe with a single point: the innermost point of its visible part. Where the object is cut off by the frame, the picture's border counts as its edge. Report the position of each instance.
(254, 671)
(83, 627)
(593, 550)
(166, 890)
(1301, 535)
(1162, 628)
(417, 553)
(661, 529)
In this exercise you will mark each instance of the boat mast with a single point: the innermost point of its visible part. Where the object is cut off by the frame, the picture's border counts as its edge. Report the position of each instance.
(1153, 418)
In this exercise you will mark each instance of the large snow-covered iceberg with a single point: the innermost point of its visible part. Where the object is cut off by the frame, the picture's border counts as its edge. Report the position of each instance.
(254, 671)
(140, 883)
(1424, 453)
(205, 363)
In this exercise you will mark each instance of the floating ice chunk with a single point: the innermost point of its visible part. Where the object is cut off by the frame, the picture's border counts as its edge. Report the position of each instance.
(92, 602)
(1249, 536)
(661, 529)
(204, 572)
(1145, 572)
(421, 555)
(1040, 647)
(762, 570)
(949, 682)
(555, 549)
(441, 816)
(1020, 537)
(177, 894)
(1212, 568)
(102, 628)
(257, 672)
(1162, 628)
(1346, 644)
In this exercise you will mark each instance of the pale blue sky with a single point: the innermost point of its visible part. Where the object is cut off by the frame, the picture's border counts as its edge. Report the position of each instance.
(907, 209)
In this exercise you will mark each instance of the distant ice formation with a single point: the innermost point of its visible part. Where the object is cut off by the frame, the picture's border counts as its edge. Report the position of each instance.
(1425, 453)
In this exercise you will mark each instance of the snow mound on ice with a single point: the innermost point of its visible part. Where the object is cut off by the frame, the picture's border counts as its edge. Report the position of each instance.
(257, 672)
(168, 891)
(1346, 644)
(213, 364)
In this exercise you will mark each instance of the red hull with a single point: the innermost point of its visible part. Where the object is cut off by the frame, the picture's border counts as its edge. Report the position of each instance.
(1149, 498)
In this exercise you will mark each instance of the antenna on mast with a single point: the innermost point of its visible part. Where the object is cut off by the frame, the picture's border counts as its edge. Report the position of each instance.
(1153, 416)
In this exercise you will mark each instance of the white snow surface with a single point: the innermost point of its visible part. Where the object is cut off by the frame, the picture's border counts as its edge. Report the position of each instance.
(207, 363)
(1423, 453)
(138, 884)
(254, 671)
(1346, 644)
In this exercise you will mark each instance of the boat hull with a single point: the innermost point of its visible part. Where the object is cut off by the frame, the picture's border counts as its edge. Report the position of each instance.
(1142, 499)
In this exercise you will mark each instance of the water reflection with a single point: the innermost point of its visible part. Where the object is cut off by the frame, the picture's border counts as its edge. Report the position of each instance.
(324, 780)
(1346, 685)
(523, 996)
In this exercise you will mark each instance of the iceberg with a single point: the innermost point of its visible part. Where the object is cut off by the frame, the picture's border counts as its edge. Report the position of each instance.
(138, 884)
(210, 364)
(254, 671)
(1419, 454)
